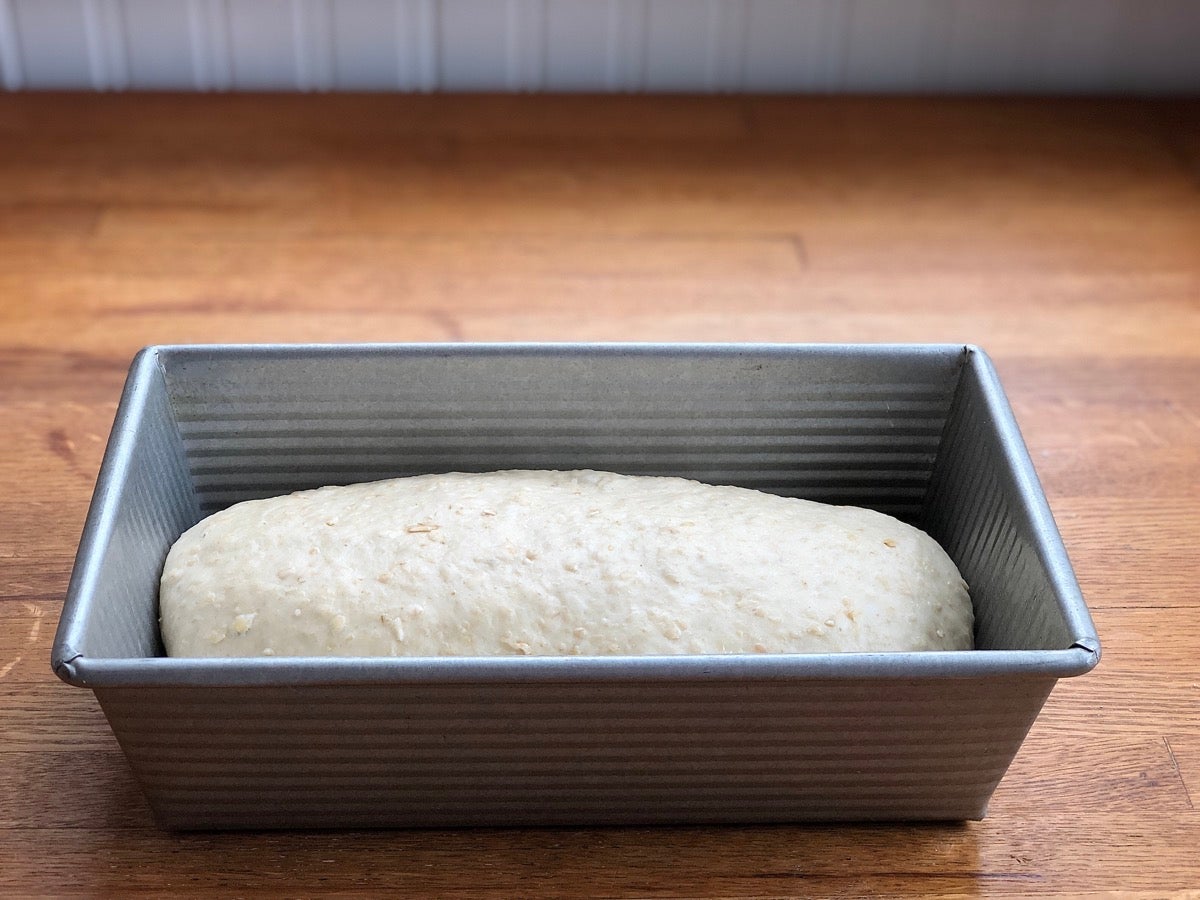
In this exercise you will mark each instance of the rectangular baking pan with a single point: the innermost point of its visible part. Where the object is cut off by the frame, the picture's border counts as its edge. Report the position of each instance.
(923, 432)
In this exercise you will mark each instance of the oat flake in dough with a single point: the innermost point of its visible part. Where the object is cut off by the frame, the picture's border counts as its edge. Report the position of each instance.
(555, 563)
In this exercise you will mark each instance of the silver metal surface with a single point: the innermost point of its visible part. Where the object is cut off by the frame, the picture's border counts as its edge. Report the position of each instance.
(923, 432)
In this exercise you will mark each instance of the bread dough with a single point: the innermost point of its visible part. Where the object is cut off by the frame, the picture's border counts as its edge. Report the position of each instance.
(555, 563)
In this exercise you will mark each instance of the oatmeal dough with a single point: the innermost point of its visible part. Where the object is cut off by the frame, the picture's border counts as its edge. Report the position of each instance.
(555, 563)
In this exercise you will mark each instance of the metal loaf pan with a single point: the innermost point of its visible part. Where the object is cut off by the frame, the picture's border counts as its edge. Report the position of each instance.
(923, 432)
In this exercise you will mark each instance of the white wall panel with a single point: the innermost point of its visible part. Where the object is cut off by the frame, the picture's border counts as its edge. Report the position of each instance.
(525, 50)
(990, 46)
(212, 55)
(1051, 46)
(627, 44)
(52, 43)
(729, 21)
(473, 45)
(796, 44)
(418, 45)
(1160, 52)
(158, 39)
(365, 47)
(579, 44)
(108, 56)
(263, 44)
(313, 44)
(679, 44)
(12, 70)
(897, 43)
(1073, 44)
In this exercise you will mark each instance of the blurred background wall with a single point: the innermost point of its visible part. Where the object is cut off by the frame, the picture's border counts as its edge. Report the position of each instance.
(816, 46)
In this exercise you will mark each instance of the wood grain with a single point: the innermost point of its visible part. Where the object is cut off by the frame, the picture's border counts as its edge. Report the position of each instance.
(1064, 237)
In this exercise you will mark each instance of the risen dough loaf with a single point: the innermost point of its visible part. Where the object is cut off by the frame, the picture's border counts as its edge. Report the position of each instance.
(555, 563)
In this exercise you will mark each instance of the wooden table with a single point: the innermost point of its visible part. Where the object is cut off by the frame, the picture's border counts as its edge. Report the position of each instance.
(1064, 237)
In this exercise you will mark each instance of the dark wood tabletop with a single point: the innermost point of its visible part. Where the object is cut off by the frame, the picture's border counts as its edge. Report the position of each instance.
(1062, 236)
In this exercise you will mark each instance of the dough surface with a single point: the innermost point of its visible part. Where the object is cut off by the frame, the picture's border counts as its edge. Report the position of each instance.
(555, 563)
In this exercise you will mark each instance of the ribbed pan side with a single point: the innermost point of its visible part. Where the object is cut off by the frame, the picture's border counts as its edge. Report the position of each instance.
(143, 500)
(980, 511)
(833, 426)
(603, 753)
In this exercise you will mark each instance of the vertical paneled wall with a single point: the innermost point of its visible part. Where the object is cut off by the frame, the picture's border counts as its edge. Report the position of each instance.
(1051, 46)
